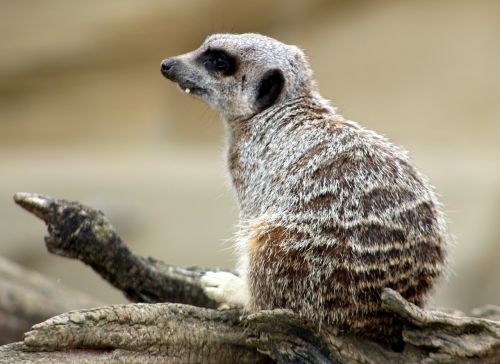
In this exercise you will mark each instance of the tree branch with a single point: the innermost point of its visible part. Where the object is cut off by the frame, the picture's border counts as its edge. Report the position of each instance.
(179, 333)
(80, 232)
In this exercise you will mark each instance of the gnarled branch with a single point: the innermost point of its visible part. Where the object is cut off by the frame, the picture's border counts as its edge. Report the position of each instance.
(80, 232)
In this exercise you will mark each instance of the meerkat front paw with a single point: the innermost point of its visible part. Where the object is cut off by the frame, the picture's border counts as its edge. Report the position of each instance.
(225, 287)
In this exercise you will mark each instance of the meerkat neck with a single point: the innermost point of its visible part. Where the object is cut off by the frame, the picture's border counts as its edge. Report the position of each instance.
(277, 116)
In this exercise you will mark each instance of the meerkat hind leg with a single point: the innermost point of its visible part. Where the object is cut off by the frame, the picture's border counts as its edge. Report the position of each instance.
(225, 287)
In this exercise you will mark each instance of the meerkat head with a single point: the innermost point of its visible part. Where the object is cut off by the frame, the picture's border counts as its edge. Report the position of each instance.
(240, 75)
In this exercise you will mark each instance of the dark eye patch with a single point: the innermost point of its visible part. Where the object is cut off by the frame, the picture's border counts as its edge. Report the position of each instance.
(216, 60)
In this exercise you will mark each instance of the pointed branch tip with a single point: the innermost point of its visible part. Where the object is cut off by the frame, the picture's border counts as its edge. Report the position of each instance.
(35, 203)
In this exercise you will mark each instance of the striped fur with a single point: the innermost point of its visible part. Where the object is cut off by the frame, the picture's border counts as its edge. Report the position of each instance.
(331, 214)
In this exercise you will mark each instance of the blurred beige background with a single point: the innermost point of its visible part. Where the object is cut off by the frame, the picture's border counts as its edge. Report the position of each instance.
(85, 115)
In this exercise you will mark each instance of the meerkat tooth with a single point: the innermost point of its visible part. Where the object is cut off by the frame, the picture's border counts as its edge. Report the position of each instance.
(187, 90)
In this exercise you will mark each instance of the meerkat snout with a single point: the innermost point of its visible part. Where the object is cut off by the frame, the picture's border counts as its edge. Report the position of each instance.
(169, 70)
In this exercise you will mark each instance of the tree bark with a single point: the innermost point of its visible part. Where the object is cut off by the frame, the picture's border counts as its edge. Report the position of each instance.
(191, 330)
(80, 232)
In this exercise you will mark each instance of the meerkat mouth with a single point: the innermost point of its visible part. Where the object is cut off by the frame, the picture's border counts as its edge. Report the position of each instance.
(189, 87)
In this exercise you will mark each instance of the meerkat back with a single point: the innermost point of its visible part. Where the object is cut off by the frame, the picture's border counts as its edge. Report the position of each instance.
(331, 213)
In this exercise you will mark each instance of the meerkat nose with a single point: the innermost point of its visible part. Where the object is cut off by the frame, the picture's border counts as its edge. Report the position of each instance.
(167, 67)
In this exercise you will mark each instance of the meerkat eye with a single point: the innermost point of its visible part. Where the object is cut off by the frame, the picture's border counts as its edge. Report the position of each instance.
(270, 88)
(219, 61)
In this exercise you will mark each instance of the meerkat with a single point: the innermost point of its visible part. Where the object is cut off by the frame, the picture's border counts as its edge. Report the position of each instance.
(330, 212)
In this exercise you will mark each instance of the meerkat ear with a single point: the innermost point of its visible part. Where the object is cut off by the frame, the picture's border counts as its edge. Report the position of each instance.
(270, 88)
